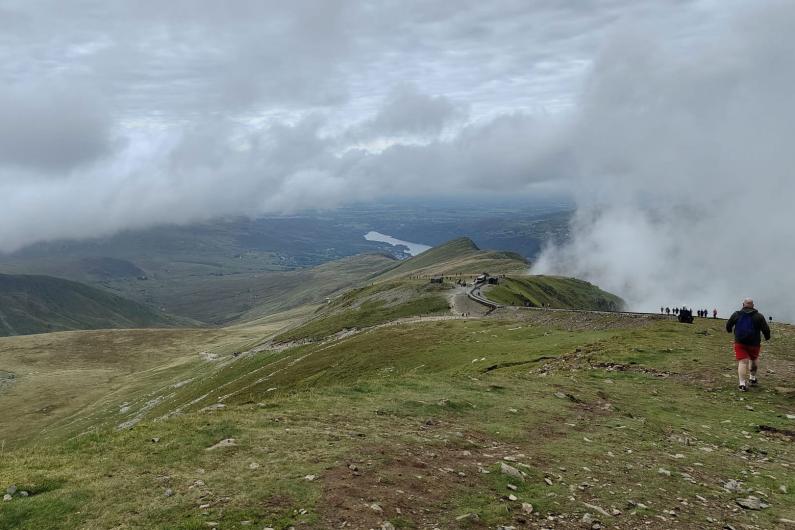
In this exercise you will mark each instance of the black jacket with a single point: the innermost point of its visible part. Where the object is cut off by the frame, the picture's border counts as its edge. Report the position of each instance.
(760, 325)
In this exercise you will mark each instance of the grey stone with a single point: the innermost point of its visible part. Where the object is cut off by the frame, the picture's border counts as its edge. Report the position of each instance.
(11, 489)
(227, 442)
(749, 503)
(733, 486)
(7, 497)
(471, 517)
(511, 471)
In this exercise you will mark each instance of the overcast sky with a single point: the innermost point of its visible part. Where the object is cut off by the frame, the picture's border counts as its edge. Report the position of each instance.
(121, 114)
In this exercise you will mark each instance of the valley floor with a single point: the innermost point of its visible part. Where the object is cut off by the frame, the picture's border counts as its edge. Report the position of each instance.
(613, 420)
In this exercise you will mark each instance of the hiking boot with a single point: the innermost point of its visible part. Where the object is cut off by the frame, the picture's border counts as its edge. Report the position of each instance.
(754, 382)
(743, 388)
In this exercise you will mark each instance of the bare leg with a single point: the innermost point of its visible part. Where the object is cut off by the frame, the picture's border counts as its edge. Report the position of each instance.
(754, 366)
(742, 371)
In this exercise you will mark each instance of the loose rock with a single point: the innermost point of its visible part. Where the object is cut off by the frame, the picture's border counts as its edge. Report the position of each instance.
(471, 517)
(227, 442)
(511, 471)
(7, 497)
(597, 509)
(11, 489)
(527, 508)
(749, 503)
(733, 486)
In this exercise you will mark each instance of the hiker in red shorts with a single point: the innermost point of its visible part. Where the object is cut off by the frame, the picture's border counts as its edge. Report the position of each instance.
(748, 325)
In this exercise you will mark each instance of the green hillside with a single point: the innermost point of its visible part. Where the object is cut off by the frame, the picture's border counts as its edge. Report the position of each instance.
(552, 291)
(407, 419)
(38, 304)
(459, 256)
(372, 305)
(630, 421)
(237, 298)
(403, 290)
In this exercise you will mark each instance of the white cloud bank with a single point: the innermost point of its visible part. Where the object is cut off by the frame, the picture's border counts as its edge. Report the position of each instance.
(669, 122)
(686, 171)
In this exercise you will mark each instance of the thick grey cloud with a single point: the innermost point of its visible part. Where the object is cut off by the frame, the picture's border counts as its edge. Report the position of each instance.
(668, 121)
(51, 128)
(407, 111)
(150, 112)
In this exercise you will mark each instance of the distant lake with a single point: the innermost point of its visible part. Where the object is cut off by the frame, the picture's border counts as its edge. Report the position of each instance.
(414, 248)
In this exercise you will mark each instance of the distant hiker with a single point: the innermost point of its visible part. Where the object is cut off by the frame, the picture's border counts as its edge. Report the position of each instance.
(667, 310)
(662, 310)
(748, 326)
(714, 313)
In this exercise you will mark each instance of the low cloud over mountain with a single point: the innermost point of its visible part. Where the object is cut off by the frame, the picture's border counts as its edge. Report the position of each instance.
(666, 122)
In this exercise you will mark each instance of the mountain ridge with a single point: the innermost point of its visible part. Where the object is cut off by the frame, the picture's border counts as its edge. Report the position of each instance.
(32, 304)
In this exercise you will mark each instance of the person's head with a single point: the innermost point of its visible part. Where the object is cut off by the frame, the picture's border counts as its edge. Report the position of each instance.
(748, 302)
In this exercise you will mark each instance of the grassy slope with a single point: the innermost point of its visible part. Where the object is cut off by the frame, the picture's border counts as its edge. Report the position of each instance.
(410, 416)
(61, 384)
(459, 256)
(36, 304)
(553, 291)
(235, 298)
(372, 305)
(401, 292)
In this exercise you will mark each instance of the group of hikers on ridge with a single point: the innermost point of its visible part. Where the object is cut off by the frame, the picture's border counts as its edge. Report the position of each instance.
(676, 311)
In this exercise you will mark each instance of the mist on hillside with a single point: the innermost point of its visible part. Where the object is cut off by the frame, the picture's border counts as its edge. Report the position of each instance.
(685, 170)
(668, 124)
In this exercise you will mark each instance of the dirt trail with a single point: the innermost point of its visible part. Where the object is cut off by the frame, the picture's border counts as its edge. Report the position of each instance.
(460, 303)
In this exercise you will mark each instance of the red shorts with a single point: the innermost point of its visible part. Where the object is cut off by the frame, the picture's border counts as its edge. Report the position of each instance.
(744, 351)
